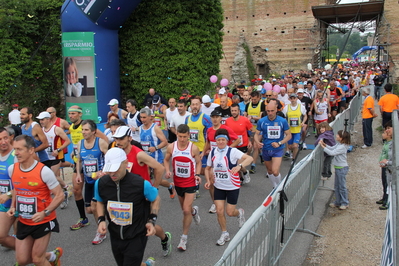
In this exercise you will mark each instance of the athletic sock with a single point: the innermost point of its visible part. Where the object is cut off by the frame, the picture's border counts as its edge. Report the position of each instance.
(165, 239)
(184, 236)
(52, 256)
(81, 208)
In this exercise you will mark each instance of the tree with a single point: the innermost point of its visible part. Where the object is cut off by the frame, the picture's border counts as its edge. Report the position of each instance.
(30, 60)
(171, 45)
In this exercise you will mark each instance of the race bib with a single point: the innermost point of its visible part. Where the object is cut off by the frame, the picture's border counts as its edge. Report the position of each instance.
(50, 148)
(121, 213)
(182, 169)
(223, 120)
(294, 121)
(5, 186)
(273, 132)
(194, 135)
(90, 166)
(157, 121)
(129, 166)
(75, 150)
(241, 140)
(145, 145)
(332, 98)
(213, 144)
(221, 175)
(26, 207)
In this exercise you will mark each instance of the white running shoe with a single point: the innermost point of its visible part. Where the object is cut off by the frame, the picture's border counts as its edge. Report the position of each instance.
(241, 218)
(98, 239)
(247, 178)
(64, 204)
(196, 216)
(150, 261)
(225, 237)
(304, 147)
(182, 244)
(212, 209)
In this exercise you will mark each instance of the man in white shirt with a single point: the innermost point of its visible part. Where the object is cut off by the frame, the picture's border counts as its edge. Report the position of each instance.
(207, 106)
(180, 117)
(283, 96)
(14, 116)
(170, 112)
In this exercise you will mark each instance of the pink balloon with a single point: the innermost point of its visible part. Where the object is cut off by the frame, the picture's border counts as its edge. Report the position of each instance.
(276, 88)
(213, 79)
(224, 82)
(268, 86)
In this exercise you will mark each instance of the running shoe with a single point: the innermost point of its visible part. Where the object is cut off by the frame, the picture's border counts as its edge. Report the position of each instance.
(167, 245)
(64, 204)
(172, 190)
(98, 239)
(241, 218)
(247, 178)
(58, 253)
(287, 154)
(383, 207)
(304, 147)
(381, 201)
(81, 223)
(212, 209)
(150, 261)
(225, 237)
(253, 169)
(196, 216)
(182, 244)
(197, 194)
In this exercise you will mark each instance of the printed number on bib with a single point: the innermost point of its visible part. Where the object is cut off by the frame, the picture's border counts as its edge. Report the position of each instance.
(273, 132)
(241, 140)
(5, 186)
(145, 145)
(194, 135)
(121, 213)
(26, 206)
(221, 175)
(182, 169)
(294, 121)
(157, 121)
(50, 148)
(90, 166)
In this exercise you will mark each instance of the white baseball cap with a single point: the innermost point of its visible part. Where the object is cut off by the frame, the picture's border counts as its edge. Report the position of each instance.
(222, 91)
(206, 99)
(121, 132)
(43, 115)
(113, 159)
(113, 102)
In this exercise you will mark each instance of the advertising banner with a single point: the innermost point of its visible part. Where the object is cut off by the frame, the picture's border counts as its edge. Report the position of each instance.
(79, 72)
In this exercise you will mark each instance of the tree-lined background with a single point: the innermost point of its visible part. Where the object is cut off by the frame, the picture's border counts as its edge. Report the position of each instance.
(168, 45)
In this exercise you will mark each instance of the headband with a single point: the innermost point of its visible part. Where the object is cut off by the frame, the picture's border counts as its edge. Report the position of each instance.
(222, 136)
(74, 110)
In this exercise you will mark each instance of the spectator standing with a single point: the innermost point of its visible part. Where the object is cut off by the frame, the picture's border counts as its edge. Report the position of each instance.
(387, 104)
(368, 114)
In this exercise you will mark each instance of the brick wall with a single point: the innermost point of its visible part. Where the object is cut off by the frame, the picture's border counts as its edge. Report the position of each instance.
(287, 29)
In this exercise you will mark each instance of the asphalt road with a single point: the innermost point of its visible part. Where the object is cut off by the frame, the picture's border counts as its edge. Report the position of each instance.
(201, 247)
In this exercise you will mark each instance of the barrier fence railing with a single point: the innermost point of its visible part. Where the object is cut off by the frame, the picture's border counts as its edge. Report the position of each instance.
(260, 241)
(389, 254)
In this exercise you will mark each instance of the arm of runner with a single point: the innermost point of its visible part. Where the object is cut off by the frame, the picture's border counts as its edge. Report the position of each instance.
(198, 163)
(144, 158)
(61, 133)
(65, 125)
(245, 161)
(166, 161)
(208, 177)
(102, 226)
(257, 139)
(37, 131)
(78, 165)
(161, 137)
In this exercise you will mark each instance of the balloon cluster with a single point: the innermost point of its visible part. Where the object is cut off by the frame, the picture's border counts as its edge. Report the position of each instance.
(223, 82)
(269, 87)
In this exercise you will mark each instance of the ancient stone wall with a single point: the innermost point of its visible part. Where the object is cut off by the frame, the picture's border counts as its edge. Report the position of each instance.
(285, 31)
(388, 36)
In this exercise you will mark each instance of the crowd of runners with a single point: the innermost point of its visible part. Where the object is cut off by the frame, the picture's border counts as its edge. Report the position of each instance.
(184, 144)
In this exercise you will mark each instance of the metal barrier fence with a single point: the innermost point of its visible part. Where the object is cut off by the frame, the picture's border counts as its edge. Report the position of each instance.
(260, 240)
(389, 254)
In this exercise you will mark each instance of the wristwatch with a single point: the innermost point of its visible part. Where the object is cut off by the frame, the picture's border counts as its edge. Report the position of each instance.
(58, 150)
(9, 194)
(240, 165)
(279, 143)
(47, 212)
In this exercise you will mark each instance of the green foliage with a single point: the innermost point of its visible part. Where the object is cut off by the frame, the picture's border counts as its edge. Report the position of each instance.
(171, 45)
(24, 79)
(355, 42)
(250, 63)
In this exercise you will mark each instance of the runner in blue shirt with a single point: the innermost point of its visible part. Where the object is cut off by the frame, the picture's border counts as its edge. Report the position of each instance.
(272, 132)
